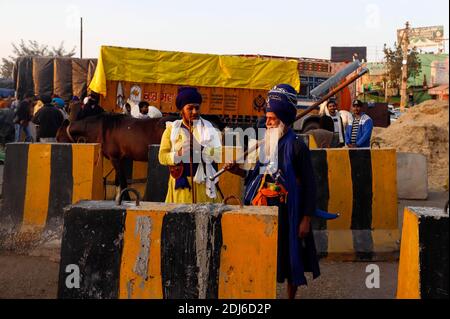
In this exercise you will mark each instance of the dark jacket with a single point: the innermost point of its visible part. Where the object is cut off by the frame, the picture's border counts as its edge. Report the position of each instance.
(49, 119)
(89, 110)
(23, 112)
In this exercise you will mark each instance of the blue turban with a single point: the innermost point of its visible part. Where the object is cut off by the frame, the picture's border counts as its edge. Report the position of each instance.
(282, 100)
(188, 95)
(58, 102)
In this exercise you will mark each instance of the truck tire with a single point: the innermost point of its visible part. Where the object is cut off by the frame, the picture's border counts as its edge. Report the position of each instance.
(310, 126)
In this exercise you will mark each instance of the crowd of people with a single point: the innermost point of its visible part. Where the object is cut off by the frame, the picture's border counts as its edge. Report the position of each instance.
(37, 118)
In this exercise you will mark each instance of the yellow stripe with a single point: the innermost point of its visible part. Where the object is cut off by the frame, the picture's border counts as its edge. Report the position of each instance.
(340, 188)
(408, 270)
(37, 187)
(245, 247)
(384, 189)
(82, 170)
(340, 241)
(132, 285)
(312, 142)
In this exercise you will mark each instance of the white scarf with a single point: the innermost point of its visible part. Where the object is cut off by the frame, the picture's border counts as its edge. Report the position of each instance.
(207, 136)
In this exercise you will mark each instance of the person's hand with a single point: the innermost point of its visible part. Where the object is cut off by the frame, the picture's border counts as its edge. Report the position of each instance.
(305, 227)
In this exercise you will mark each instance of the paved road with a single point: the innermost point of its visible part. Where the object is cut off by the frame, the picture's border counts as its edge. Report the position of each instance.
(26, 277)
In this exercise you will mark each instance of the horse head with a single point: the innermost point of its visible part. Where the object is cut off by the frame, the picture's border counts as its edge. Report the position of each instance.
(84, 131)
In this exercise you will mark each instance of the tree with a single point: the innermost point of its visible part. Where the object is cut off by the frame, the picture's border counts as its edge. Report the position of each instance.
(31, 48)
(394, 62)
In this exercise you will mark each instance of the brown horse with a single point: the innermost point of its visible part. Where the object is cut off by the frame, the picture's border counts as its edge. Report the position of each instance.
(122, 137)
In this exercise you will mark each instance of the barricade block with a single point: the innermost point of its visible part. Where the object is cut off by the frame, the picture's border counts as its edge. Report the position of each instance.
(360, 185)
(39, 181)
(169, 251)
(424, 263)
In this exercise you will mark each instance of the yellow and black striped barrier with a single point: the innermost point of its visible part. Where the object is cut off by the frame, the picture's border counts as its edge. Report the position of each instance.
(360, 185)
(41, 179)
(424, 259)
(169, 251)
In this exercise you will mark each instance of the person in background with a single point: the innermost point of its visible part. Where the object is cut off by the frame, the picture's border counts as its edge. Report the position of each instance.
(127, 109)
(74, 108)
(154, 113)
(49, 119)
(91, 108)
(359, 130)
(60, 105)
(334, 113)
(23, 117)
(143, 110)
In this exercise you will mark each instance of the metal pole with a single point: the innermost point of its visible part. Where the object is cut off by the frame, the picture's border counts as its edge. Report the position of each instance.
(404, 89)
(81, 38)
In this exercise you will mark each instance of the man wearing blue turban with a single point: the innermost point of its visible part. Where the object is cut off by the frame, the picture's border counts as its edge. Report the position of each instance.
(287, 181)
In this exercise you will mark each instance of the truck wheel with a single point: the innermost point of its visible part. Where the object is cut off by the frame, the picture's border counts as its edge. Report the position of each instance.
(310, 127)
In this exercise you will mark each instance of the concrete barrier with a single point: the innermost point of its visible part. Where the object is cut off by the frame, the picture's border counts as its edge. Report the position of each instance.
(39, 181)
(169, 251)
(361, 185)
(412, 176)
(424, 258)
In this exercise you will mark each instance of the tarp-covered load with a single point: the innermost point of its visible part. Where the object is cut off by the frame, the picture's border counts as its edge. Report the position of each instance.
(193, 69)
(65, 77)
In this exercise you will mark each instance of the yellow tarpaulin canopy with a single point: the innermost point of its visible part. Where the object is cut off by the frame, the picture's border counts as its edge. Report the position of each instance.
(193, 69)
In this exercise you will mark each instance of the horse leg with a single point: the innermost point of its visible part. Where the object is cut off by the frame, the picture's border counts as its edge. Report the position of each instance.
(121, 178)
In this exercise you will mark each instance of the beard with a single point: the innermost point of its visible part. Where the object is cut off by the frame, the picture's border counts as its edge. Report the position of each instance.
(271, 138)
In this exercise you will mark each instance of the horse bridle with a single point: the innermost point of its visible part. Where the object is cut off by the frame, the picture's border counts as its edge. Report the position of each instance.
(70, 135)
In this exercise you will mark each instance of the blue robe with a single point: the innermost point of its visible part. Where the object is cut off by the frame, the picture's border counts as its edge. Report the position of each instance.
(300, 256)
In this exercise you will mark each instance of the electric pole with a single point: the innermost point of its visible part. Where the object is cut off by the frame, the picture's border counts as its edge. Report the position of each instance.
(404, 88)
(81, 38)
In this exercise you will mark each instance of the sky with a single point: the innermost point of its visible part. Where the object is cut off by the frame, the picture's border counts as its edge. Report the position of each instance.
(302, 28)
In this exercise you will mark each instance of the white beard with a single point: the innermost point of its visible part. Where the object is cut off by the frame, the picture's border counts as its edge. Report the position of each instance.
(271, 138)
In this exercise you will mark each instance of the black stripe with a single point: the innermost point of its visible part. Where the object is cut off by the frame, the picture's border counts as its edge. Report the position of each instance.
(157, 177)
(320, 166)
(14, 184)
(61, 183)
(179, 271)
(363, 244)
(361, 166)
(433, 256)
(92, 240)
(214, 249)
(179, 255)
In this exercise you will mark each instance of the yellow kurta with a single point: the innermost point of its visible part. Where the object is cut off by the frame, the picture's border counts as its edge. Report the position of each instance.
(167, 158)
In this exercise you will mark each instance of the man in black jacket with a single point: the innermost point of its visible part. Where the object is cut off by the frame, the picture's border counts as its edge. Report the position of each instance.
(91, 108)
(24, 115)
(49, 119)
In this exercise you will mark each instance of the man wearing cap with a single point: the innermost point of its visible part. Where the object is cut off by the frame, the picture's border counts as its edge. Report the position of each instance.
(91, 108)
(49, 119)
(191, 161)
(359, 130)
(285, 179)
